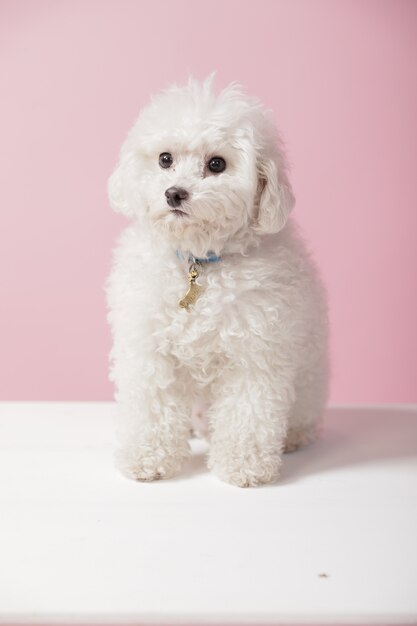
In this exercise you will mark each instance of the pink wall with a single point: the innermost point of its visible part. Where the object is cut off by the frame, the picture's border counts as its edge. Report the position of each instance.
(341, 79)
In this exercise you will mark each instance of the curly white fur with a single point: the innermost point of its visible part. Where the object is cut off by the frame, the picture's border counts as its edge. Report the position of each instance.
(252, 350)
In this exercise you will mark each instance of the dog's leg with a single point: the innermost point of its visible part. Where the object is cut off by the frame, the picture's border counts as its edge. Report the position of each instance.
(310, 400)
(248, 422)
(154, 422)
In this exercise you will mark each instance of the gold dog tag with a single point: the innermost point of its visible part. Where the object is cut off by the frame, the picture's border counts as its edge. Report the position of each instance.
(194, 290)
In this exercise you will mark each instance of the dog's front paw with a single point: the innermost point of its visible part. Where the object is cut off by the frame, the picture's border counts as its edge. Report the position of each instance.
(245, 467)
(145, 464)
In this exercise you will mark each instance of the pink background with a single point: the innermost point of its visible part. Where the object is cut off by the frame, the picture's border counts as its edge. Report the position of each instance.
(341, 79)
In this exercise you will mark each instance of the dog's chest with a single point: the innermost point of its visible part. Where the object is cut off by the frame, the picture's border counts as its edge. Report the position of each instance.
(229, 307)
(190, 333)
(196, 336)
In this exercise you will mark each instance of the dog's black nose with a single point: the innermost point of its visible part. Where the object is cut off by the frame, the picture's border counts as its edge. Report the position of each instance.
(175, 195)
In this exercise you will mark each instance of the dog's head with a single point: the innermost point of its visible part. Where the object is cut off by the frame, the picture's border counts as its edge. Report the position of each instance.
(206, 171)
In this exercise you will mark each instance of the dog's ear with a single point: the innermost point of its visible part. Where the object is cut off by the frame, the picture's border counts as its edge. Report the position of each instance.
(276, 199)
(119, 187)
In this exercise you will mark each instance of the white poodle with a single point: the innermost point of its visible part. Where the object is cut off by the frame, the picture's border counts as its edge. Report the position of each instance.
(215, 306)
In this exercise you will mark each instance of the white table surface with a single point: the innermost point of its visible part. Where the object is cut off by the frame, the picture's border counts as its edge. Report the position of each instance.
(80, 544)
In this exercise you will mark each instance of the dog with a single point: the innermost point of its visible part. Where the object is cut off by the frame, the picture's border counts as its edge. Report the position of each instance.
(214, 302)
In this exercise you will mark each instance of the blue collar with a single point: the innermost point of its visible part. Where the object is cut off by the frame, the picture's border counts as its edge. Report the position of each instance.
(210, 258)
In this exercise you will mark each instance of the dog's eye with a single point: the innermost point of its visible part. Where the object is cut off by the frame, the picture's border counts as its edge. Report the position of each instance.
(165, 160)
(217, 165)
